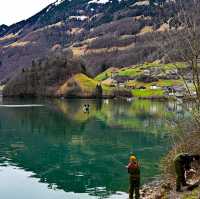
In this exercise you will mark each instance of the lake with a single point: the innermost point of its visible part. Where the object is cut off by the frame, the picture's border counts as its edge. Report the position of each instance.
(52, 149)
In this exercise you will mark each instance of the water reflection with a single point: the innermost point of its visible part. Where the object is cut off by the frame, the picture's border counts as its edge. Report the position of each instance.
(84, 153)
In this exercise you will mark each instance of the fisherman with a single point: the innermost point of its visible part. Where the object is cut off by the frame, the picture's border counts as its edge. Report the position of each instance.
(134, 177)
(182, 164)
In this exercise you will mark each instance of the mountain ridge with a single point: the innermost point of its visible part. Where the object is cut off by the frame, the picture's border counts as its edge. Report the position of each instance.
(68, 23)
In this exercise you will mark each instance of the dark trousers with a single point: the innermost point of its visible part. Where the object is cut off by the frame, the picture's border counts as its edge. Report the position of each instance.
(180, 177)
(134, 187)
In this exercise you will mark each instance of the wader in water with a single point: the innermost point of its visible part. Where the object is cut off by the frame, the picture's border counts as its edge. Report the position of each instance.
(134, 180)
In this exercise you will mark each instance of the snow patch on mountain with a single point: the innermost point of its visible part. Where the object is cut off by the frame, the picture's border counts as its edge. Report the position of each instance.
(142, 3)
(81, 18)
(58, 2)
(99, 1)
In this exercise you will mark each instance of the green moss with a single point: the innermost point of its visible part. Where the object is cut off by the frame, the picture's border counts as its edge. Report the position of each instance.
(145, 93)
(193, 195)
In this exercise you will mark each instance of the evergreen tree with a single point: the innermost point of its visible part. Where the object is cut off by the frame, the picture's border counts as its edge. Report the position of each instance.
(151, 2)
(99, 91)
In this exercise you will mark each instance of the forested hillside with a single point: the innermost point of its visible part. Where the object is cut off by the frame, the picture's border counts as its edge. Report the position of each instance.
(99, 35)
(103, 33)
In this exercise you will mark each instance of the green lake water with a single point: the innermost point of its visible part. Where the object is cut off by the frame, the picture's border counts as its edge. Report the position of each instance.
(56, 151)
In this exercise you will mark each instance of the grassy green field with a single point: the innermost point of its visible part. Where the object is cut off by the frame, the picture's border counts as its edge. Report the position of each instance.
(159, 83)
(104, 75)
(136, 70)
(147, 93)
(130, 72)
(89, 84)
(169, 66)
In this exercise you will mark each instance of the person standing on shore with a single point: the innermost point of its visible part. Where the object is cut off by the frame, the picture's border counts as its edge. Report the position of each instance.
(134, 177)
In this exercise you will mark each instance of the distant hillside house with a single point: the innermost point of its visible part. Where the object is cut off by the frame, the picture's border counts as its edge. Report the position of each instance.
(177, 91)
(146, 72)
(121, 85)
(154, 87)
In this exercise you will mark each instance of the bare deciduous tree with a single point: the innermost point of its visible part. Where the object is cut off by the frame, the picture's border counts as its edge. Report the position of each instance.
(182, 42)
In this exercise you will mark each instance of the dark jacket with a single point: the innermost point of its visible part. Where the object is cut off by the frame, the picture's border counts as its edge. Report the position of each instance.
(183, 160)
(134, 170)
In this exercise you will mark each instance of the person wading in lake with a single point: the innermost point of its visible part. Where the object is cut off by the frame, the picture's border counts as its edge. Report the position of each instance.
(182, 164)
(134, 177)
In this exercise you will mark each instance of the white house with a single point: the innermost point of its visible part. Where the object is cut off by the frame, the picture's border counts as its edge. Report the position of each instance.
(154, 87)
(146, 72)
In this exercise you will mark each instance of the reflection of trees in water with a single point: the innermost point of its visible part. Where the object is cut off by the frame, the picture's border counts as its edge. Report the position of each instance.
(78, 155)
(99, 103)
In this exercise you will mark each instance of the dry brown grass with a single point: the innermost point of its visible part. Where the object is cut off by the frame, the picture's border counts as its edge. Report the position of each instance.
(19, 44)
(164, 27)
(7, 37)
(76, 30)
(189, 143)
(83, 50)
(146, 29)
(79, 51)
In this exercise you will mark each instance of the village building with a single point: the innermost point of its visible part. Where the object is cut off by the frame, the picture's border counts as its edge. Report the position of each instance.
(154, 87)
(176, 91)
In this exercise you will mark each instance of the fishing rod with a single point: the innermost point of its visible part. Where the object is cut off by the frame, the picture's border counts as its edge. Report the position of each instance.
(119, 162)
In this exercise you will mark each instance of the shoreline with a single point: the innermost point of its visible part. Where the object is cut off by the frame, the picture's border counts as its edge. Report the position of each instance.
(157, 187)
(159, 98)
(152, 189)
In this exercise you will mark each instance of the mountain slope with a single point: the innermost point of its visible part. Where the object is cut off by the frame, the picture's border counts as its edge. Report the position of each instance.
(86, 26)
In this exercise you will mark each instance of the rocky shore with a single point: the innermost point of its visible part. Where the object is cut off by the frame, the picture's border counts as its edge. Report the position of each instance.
(163, 189)
(150, 190)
